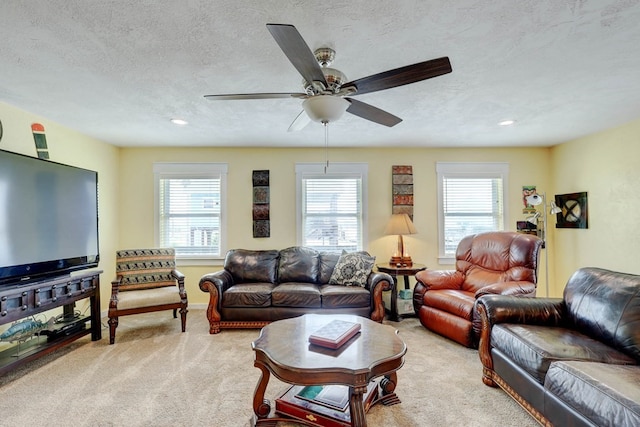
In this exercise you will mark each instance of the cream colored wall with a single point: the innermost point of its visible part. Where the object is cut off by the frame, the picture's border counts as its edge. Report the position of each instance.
(606, 166)
(69, 147)
(527, 167)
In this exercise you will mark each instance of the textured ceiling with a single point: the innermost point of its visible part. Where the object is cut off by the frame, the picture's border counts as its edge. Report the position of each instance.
(118, 70)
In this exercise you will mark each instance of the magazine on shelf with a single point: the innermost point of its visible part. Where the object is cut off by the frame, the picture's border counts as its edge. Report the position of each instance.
(319, 413)
(333, 396)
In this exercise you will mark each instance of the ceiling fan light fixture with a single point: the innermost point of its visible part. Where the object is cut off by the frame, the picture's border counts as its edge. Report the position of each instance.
(325, 108)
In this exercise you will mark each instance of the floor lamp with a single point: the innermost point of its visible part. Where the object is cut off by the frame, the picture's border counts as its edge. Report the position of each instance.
(536, 200)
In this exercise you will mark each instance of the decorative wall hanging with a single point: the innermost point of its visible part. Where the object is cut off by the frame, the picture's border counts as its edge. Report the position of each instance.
(574, 212)
(528, 190)
(41, 140)
(261, 220)
(402, 189)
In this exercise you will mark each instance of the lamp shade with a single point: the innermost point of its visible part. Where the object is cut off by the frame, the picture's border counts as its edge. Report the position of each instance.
(325, 108)
(533, 219)
(400, 224)
(534, 200)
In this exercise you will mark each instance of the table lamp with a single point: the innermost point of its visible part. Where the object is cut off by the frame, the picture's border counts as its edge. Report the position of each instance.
(400, 224)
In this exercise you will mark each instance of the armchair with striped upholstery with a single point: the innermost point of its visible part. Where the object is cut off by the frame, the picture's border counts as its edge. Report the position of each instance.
(146, 281)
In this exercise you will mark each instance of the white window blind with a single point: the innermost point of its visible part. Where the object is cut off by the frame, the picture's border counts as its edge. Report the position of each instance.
(330, 207)
(471, 200)
(190, 206)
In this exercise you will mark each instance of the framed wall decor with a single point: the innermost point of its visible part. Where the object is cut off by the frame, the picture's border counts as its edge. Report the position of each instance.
(402, 189)
(261, 201)
(574, 212)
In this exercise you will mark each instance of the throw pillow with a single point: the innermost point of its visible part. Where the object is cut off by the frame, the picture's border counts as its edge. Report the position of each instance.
(352, 269)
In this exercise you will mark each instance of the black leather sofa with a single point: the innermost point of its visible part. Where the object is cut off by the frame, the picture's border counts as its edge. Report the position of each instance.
(260, 286)
(571, 361)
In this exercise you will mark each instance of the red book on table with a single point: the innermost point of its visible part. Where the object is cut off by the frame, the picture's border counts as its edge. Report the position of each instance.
(334, 334)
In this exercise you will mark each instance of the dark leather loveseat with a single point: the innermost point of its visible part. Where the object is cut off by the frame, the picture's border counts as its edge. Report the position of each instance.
(258, 287)
(572, 361)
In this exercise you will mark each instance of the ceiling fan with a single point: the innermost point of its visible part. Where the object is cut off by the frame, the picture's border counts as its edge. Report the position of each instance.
(327, 94)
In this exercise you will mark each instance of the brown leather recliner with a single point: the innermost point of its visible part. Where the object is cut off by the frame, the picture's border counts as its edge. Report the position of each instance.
(501, 262)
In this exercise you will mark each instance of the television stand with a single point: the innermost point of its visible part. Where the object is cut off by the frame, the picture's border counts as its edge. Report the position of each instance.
(21, 301)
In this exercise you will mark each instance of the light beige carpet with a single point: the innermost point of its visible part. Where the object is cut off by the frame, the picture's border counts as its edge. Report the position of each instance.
(156, 376)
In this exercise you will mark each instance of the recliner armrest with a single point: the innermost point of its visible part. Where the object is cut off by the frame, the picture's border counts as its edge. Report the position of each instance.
(440, 279)
(516, 288)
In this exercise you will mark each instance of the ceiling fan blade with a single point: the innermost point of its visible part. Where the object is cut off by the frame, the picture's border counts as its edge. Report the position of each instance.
(298, 52)
(235, 96)
(369, 112)
(401, 76)
(300, 122)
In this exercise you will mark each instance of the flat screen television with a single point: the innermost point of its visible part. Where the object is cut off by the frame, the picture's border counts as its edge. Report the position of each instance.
(48, 218)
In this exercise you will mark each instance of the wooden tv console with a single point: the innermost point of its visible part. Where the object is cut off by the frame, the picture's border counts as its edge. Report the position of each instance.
(24, 300)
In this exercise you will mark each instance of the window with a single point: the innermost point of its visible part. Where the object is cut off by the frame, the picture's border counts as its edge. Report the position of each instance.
(331, 206)
(470, 200)
(190, 208)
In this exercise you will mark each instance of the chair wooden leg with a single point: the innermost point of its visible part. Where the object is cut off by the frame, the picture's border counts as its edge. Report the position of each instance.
(113, 324)
(175, 313)
(183, 318)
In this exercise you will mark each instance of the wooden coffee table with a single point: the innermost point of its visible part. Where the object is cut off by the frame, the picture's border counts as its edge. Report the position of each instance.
(283, 349)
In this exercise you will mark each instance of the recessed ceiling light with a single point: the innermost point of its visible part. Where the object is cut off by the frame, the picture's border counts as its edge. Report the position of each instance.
(179, 122)
(506, 122)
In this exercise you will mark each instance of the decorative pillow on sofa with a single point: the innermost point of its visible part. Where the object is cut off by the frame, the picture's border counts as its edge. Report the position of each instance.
(352, 269)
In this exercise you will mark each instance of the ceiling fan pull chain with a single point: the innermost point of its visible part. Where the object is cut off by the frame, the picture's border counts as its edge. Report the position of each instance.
(326, 145)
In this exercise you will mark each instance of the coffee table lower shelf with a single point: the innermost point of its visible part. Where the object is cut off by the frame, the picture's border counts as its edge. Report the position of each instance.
(316, 414)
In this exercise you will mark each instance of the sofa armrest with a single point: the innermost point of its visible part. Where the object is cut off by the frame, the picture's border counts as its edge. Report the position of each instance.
(221, 280)
(513, 309)
(377, 283)
(495, 309)
(379, 279)
(215, 284)
(517, 288)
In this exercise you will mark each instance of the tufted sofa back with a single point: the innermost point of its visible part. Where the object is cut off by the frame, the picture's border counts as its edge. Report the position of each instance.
(294, 264)
(499, 256)
(298, 264)
(605, 305)
(248, 266)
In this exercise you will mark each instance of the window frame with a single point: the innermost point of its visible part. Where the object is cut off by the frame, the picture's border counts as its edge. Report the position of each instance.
(163, 170)
(469, 171)
(336, 170)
